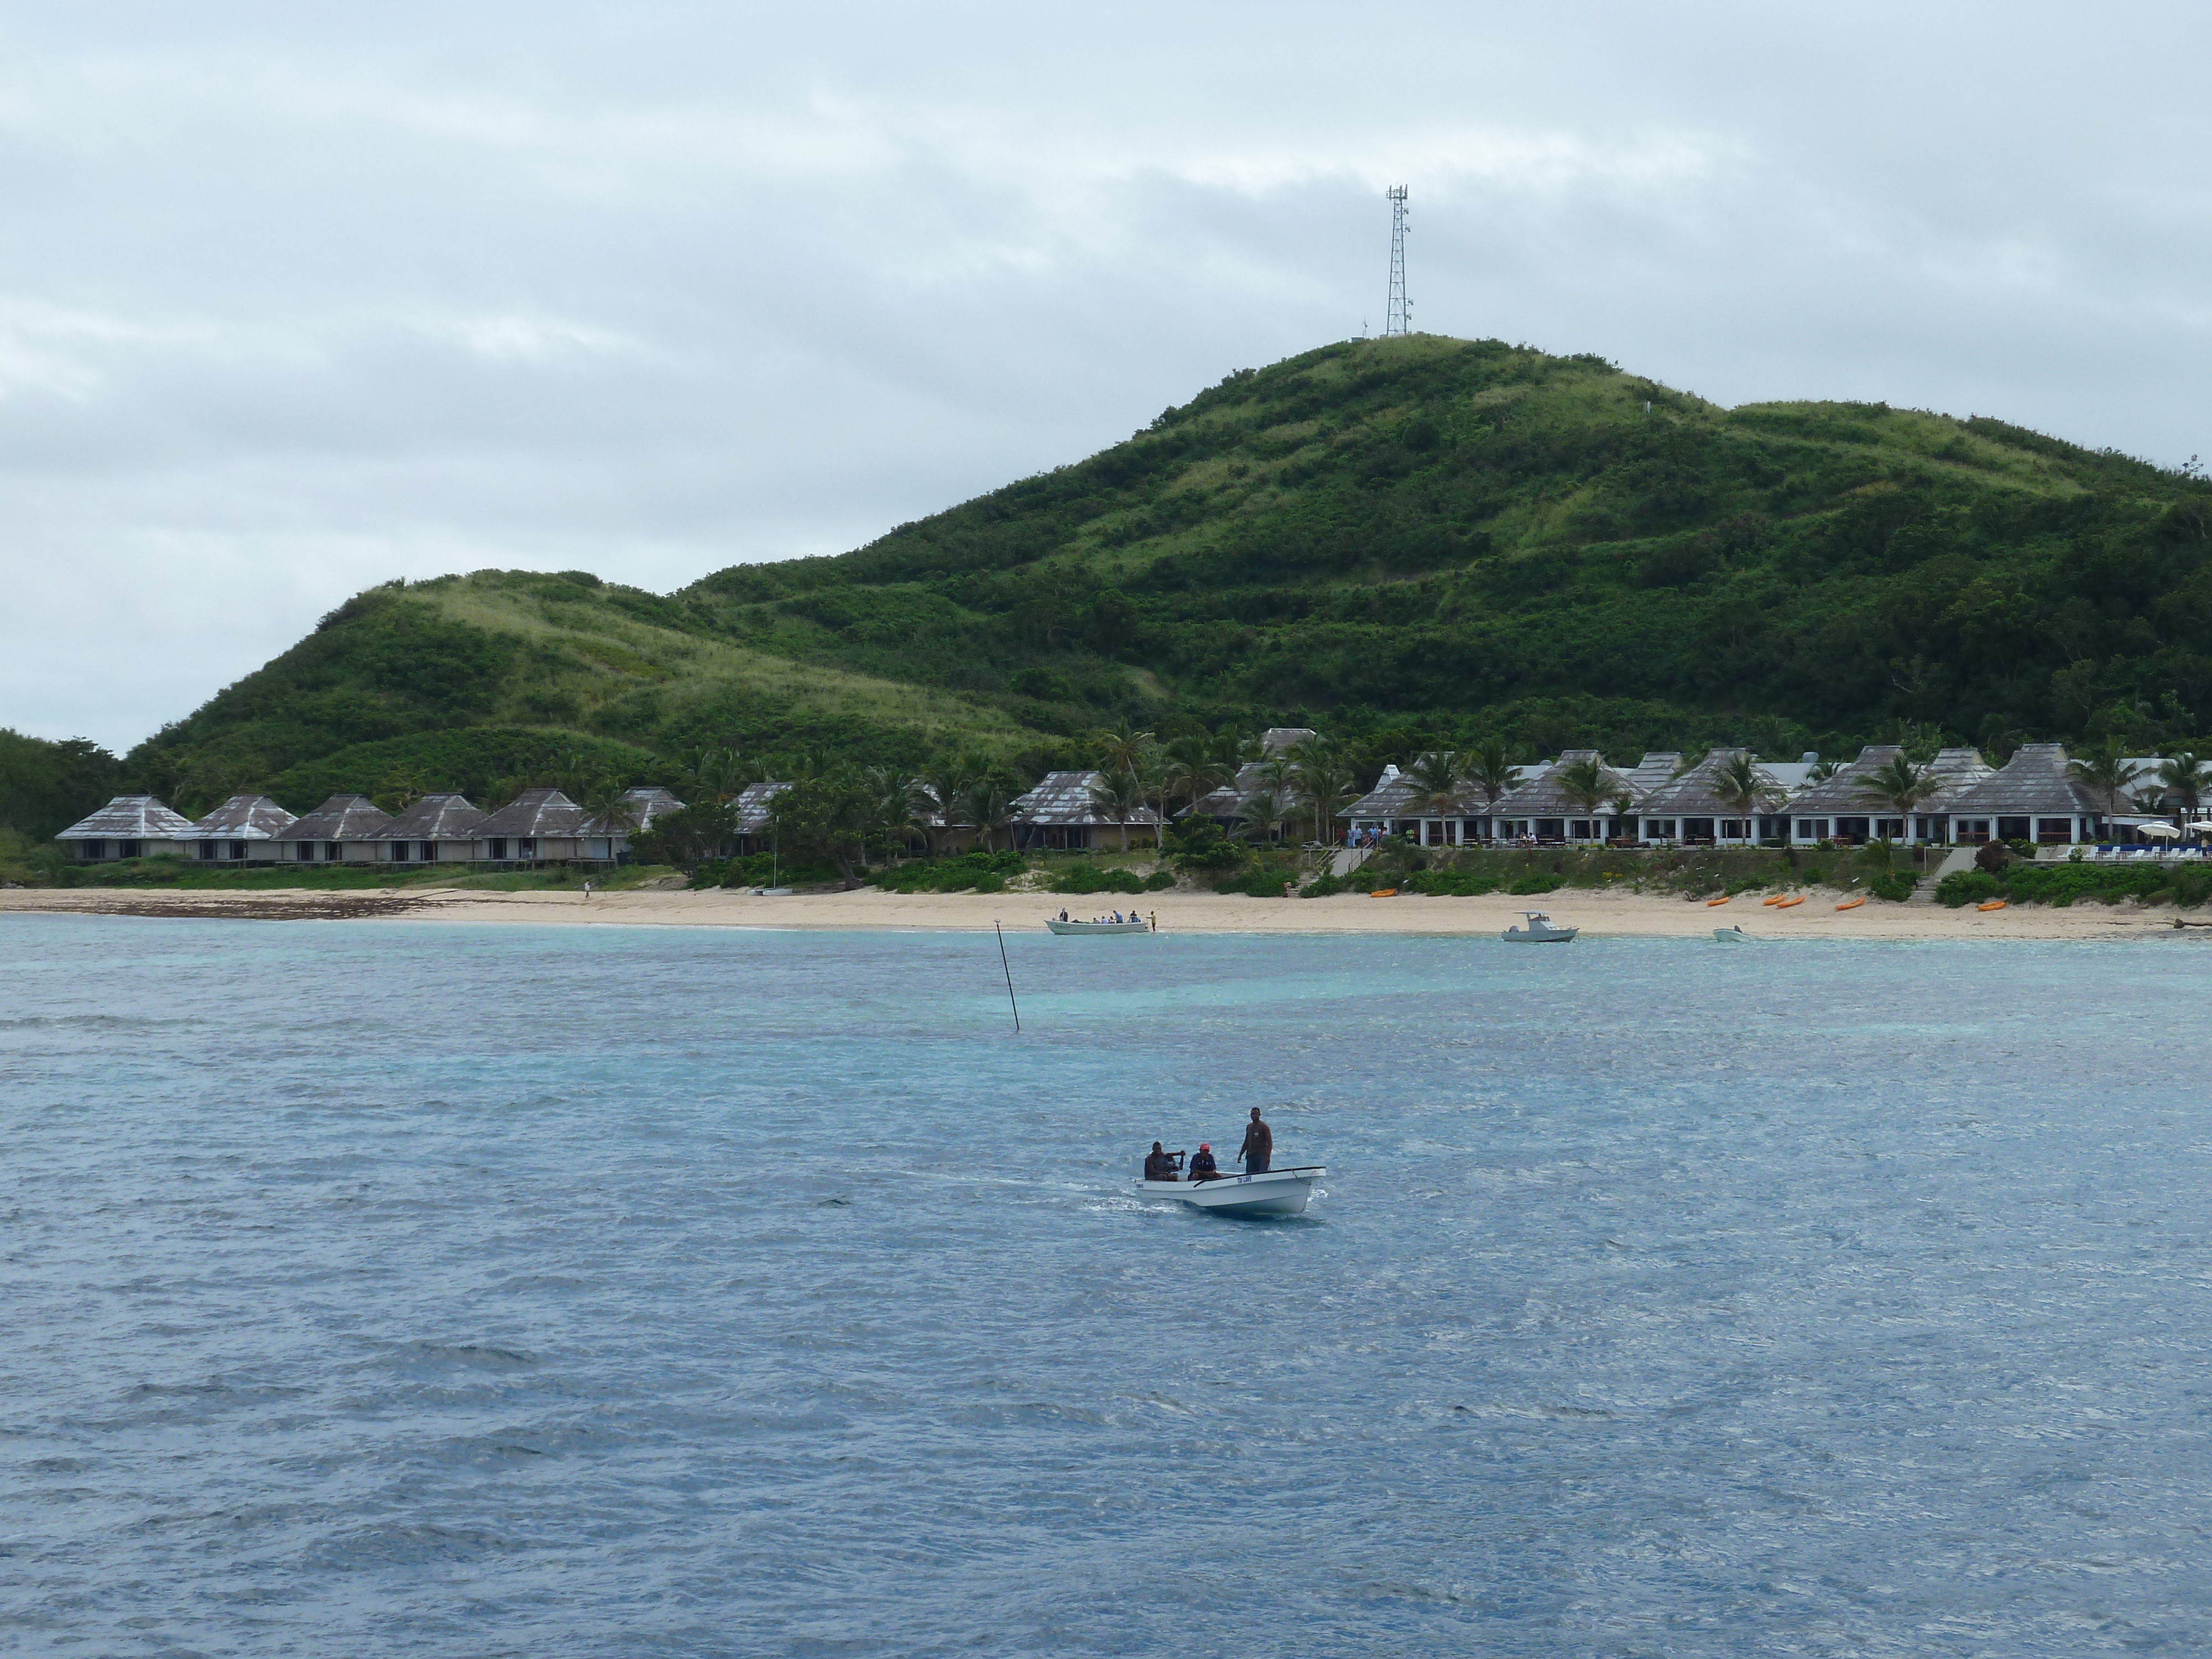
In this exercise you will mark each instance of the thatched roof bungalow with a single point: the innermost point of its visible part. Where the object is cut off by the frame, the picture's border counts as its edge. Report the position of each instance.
(1693, 809)
(244, 829)
(436, 830)
(1062, 813)
(128, 827)
(1539, 807)
(343, 829)
(609, 842)
(2032, 796)
(749, 813)
(538, 826)
(1237, 798)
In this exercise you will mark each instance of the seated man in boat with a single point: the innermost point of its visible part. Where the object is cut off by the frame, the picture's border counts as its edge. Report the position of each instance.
(1160, 1166)
(1202, 1166)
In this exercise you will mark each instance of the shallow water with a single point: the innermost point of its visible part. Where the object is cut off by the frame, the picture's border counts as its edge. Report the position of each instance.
(404, 1289)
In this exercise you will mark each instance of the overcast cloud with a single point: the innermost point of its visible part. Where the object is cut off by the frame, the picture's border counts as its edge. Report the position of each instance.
(295, 299)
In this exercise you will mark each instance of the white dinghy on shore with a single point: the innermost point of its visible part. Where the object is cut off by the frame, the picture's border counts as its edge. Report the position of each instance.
(1134, 924)
(1272, 1192)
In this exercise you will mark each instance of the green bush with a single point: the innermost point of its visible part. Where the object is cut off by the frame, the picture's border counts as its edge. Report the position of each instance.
(1457, 883)
(1530, 886)
(1089, 879)
(1963, 887)
(1257, 883)
(990, 882)
(1896, 886)
(952, 875)
(1197, 844)
(1159, 881)
(1326, 886)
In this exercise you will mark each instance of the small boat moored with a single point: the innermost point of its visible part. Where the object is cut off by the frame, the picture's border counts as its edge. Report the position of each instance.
(1539, 929)
(1732, 935)
(1134, 924)
(1272, 1192)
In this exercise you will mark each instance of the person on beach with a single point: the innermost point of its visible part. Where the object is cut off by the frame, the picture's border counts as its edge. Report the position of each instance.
(1160, 1166)
(1202, 1167)
(1259, 1148)
(587, 892)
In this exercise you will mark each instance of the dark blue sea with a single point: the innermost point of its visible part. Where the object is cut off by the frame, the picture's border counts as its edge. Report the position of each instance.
(404, 1289)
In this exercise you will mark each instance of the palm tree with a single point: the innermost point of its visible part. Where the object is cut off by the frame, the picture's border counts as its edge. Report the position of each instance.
(1279, 777)
(1119, 796)
(1189, 770)
(608, 808)
(1325, 781)
(1490, 768)
(1898, 785)
(2184, 778)
(1824, 768)
(946, 787)
(1587, 784)
(890, 809)
(989, 804)
(1121, 747)
(1741, 785)
(1439, 778)
(2105, 773)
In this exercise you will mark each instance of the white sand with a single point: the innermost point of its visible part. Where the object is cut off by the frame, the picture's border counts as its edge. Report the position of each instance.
(1598, 914)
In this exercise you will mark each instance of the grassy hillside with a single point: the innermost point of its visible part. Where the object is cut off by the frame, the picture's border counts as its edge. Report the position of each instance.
(1393, 539)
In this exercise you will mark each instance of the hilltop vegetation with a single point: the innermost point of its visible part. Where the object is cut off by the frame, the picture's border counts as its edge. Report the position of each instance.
(1404, 541)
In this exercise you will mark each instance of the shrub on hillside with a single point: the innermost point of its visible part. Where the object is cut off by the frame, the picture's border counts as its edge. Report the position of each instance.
(952, 875)
(1089, 879)
(1896, 886)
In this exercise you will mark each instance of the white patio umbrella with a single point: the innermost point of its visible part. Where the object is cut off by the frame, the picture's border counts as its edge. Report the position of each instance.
(2159, 831)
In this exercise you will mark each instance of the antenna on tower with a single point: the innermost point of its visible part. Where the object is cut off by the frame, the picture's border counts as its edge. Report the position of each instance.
(1399, 320)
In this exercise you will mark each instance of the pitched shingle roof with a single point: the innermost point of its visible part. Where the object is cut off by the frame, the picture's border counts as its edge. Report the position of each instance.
(1693, 794)
(645, 804)
(1063, 799)
(539, 813)
(342, 818)
(1392, 797)
(2033, 781)
(1839, 790)
(244, 817)
(1542, 795)
(129, 818)
(434, 817)
(752, 804)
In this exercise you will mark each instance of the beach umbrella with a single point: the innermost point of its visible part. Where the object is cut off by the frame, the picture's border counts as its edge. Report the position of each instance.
(2159, 831)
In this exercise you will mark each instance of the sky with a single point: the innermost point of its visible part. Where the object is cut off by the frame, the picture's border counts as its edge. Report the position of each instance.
(296, 299)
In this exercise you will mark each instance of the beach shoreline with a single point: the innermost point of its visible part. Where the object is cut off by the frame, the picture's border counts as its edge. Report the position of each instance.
(1598, 913)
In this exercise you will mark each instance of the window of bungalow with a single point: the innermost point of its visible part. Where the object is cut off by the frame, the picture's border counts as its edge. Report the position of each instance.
(526, 847)
(1889, 829)
(332, 851)
(2012, 829)
(1659, 829)
(94, 849)
(399, 852)
(2049, 830)
(1697, 829)
(1732, 830)
(207, 849)
(429, 851)
(238, 849)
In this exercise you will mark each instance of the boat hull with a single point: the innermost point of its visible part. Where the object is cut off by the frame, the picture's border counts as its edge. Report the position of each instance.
(1276, 1192)
(1098, 926)
(1549, 936)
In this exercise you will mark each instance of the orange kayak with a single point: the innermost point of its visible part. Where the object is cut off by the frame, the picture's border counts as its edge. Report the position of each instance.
(1994, 904)
(1723, 899)
(1777, 899)
(1852, 904)
(1385, 892)
(1783, 904)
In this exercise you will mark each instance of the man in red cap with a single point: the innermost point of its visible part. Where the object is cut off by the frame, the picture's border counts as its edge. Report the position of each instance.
(1202, 1167)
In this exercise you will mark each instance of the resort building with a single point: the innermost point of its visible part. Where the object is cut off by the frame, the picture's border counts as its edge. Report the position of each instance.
(1699, 808)
(435, 829)
(539, 826)
(2032, 796)
(1063, 812)
(1541, 808)
(128, 827)
(750, 815)
(244, 829)
(1836, 807)
(1390, 806)
(343, 829)
(1244, 796)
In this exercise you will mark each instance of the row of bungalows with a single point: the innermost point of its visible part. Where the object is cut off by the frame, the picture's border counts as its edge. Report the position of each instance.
(2032, 797)
(539, 826)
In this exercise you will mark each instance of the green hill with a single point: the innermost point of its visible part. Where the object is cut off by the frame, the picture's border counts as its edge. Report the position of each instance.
(1393, 539)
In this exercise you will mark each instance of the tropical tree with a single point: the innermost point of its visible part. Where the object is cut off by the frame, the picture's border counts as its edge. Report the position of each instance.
(2185, 779)
(1439, 780)
(1587, 784)
(1490, 768)
(608, 811)
(2106, 774)
(1898, 784)
(1324, 780)
(891, 813)
(1190, 771)
(1824, 768)
(988, 804)
(1119, 796)
(1120, 747)
(1744, 789)
(825, 816)
(946, 787)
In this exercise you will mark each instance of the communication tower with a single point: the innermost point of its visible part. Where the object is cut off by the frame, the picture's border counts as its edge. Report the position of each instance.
(1399, 320)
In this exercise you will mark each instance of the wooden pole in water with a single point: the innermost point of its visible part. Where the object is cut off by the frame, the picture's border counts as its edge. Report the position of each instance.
(1016, 1007)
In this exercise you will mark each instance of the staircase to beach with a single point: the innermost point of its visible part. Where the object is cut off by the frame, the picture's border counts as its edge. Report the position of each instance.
(1961, 858)
(1349, 859)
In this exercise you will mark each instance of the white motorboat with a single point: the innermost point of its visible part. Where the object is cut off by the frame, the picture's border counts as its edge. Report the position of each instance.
(1273, 1192)
(1731, 935)
(1539, 930)
(1135, 924)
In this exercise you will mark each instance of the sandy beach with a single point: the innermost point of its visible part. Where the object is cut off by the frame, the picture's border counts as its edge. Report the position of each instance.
(1598, 914)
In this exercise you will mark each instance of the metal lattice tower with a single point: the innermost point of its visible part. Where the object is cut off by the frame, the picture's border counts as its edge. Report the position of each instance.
(1399, 318)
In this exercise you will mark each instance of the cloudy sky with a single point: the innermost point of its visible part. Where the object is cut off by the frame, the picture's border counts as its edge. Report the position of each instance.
(295, 299)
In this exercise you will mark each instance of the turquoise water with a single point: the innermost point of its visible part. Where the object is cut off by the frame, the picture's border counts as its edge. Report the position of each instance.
(484, 1292)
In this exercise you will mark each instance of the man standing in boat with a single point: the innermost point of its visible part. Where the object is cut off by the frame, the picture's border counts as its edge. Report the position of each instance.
(1259, 1148)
